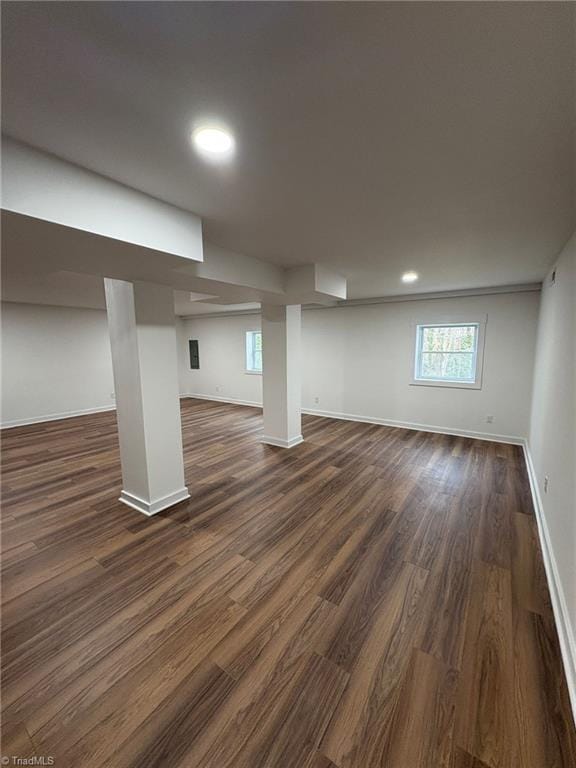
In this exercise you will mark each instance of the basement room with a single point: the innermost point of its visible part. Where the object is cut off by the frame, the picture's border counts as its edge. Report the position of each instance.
(288, 391)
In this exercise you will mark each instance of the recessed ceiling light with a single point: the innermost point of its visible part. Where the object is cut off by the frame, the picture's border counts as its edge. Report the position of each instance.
(213, 142)
(410, 277)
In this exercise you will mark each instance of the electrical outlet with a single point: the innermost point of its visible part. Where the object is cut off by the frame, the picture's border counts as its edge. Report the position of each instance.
(489, 419)
(316, 400)
(546, 481)
(218, 387)
(112, 396)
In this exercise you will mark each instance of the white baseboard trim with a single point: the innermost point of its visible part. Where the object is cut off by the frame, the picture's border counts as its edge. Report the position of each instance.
(491, 437)
(150, 508)
(231, 400)
(312, 411)
(512, 439)
(278, 443)
(101, 409)
(559, 605)
(55, 417)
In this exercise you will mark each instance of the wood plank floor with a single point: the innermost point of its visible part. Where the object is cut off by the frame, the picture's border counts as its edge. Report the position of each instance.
(373, 597)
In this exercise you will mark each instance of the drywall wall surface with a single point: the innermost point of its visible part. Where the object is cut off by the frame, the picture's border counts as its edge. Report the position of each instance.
(55, 361)
(222, 352)
(358, 361)
(552, 440)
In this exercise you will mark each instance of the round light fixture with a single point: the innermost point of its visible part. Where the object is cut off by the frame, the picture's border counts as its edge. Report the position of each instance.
(410, 276)
(213, 142)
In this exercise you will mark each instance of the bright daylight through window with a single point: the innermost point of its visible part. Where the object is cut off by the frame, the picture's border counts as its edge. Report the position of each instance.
(253, 352)
(447, 353)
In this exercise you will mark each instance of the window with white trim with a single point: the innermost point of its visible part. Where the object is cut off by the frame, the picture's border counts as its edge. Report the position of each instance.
(449, 354)
(253, 352)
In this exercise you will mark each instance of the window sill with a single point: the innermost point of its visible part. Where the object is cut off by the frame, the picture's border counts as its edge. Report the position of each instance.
(253, 373)
(449, 384)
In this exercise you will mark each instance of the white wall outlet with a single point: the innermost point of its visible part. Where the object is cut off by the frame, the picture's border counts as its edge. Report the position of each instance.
(112, 396)
(316, 400)
(218, 387)
(546, 481)
(489, 419)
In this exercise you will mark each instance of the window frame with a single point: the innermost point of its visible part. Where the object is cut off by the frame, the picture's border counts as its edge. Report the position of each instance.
(443, 322)
(191, 357)
(250, 371)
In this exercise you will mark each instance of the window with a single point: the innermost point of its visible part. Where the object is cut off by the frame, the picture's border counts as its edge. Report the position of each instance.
(449, 354)
(253, 352)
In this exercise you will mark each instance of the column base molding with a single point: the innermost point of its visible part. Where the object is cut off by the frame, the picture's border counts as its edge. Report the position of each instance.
(279, 443)
(150, 508)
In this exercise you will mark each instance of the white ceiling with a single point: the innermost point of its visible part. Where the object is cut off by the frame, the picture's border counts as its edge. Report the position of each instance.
(372, 137)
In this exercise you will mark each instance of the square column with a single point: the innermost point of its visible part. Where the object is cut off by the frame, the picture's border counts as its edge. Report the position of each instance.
(144, 360)
(281, 375)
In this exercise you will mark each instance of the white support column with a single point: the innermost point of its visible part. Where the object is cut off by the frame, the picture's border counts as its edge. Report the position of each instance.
(144, 359)
(281, 330)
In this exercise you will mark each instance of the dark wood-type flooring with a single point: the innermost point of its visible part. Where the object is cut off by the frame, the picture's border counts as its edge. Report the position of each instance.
(373, 597)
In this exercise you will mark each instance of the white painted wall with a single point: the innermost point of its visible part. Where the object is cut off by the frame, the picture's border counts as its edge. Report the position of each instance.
(357, 361)
(55, 361)
(552, 444)
(222, 358)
